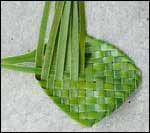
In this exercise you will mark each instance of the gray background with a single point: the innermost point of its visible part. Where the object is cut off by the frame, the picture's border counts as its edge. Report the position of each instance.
(25, 107)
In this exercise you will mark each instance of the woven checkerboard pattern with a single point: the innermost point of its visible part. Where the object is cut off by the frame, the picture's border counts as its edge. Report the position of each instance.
(110, 78)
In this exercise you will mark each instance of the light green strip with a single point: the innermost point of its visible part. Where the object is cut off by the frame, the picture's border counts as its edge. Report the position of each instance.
(40, 48)
(75, 44)
(68, 54)
(82, 27)
(62, 42)
(29, 57)
(51, 42)
(22, 68)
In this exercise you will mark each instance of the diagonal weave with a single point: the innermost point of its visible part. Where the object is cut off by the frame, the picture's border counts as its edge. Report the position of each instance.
(110, 77)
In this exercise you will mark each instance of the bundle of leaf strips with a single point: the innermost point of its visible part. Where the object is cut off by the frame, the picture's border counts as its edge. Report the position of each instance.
(87, 78)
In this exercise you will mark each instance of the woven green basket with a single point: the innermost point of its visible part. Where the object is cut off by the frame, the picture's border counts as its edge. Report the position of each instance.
(87, 81)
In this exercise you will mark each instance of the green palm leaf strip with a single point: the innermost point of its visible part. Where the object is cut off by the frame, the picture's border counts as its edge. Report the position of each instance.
(30, 57)
(62, 42)
(68, 49)
(82, 35)
(40, 48)
(75, 43)
(51, 42)
(22, 68)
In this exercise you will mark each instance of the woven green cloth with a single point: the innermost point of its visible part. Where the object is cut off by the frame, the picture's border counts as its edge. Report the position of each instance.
(110, 78)
(108, 75)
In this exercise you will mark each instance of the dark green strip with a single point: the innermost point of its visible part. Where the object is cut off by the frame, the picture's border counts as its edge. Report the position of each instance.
(68, 53)
(82, 35)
